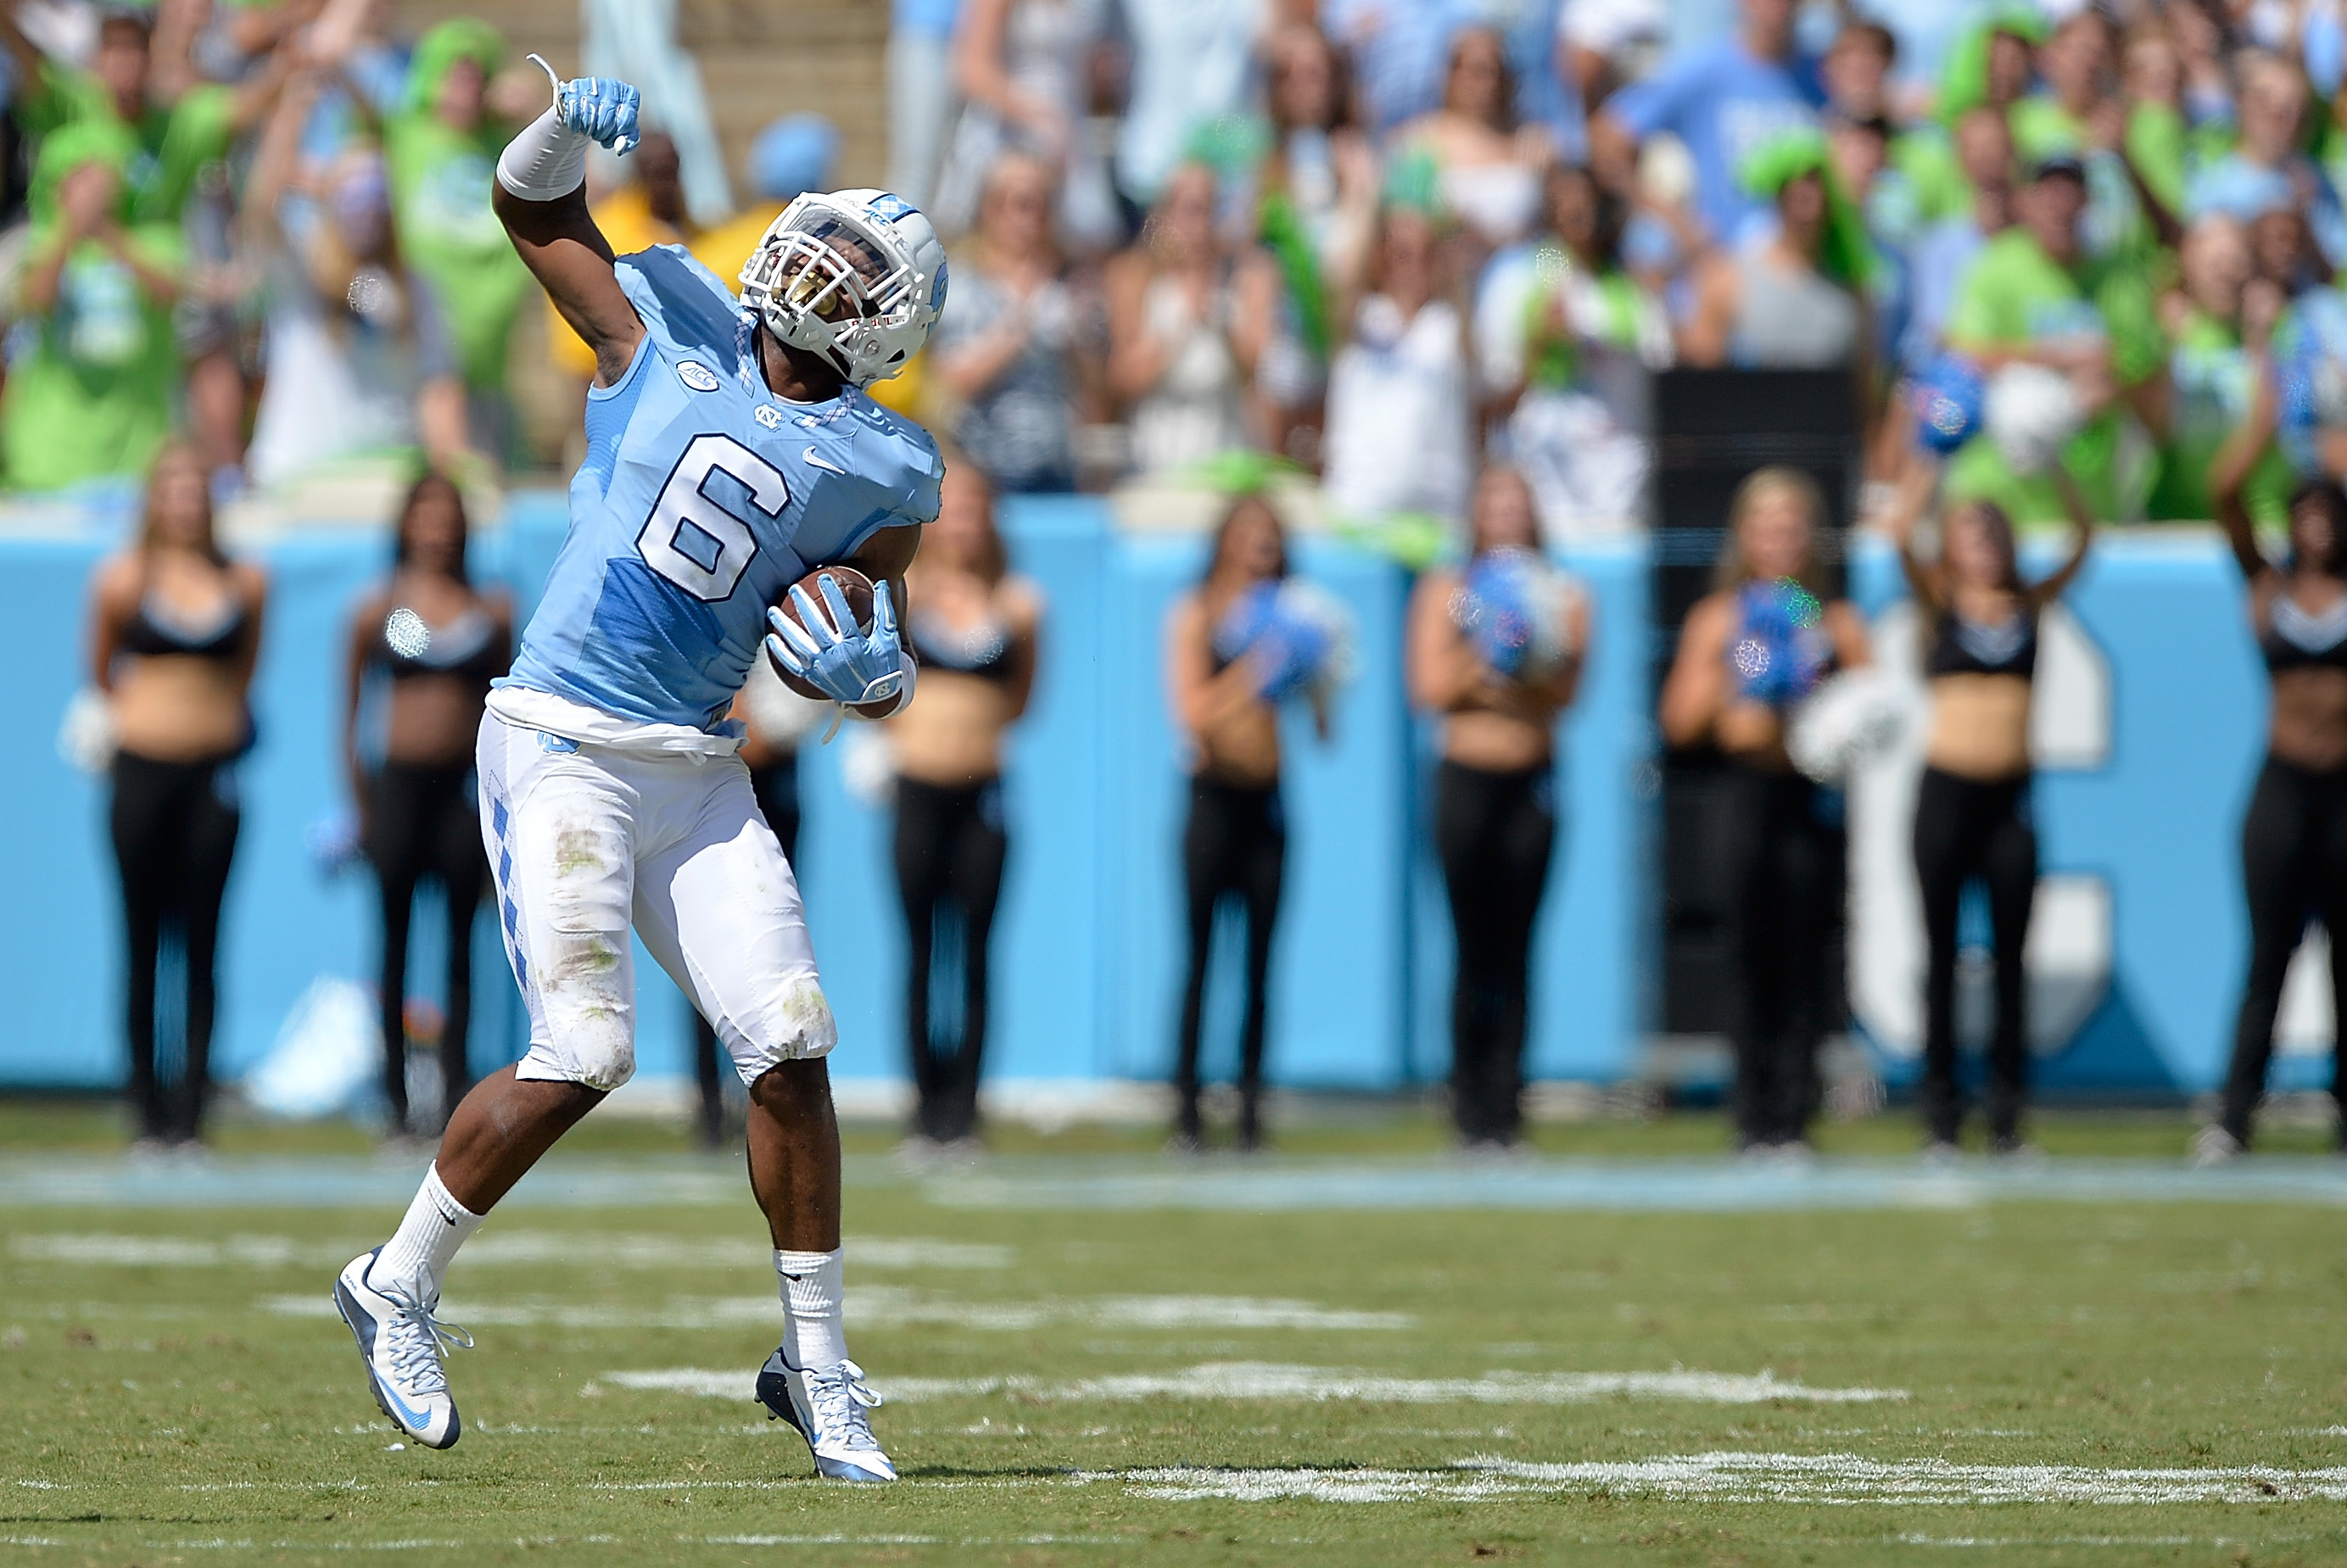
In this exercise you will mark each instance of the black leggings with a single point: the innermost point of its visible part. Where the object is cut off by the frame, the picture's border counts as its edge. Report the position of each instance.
(424, 824)
(1784, 868)
(1494, 832)
(950, 852)
(174, 826)
(1967, 828)
(777, 791)
(1235, 848)
(2294, 864)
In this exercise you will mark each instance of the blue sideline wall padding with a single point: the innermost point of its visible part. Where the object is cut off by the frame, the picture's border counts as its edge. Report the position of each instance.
(1088, 943)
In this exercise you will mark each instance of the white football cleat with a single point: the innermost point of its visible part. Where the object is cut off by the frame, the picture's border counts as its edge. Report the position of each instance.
(399, 1340)
(827, 1404)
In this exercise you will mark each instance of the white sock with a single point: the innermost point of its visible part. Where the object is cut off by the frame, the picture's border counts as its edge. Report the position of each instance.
(420, 1251)
(811, 1318)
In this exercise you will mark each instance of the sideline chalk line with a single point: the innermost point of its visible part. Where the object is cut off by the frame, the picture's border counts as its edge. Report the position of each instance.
(1719, 1185)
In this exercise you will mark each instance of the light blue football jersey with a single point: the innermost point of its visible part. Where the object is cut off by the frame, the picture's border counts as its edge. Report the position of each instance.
(703, 495)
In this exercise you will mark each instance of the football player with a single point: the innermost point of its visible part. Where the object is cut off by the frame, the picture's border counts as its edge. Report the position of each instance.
(730, 449)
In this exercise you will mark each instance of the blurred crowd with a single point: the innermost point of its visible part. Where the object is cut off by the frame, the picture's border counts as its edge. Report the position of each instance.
(1390, 241)
(265, 225)
(1384, 242)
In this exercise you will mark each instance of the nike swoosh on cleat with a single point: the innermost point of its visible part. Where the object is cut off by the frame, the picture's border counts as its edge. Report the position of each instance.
(415, 1421)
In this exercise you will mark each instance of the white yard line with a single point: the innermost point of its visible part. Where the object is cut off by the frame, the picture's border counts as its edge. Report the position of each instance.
(1257, 1381)
(1811, 1480)
(493, 1248)
(889, 1306)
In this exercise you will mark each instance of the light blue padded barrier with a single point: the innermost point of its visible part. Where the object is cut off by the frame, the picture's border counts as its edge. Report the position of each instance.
(1088, 941)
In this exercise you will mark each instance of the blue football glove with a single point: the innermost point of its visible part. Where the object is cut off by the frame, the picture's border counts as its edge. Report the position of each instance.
(601, 108)
(848, 666)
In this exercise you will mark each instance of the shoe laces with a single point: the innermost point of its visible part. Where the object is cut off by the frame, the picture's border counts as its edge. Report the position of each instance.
(416, 1336)
(840, 1398)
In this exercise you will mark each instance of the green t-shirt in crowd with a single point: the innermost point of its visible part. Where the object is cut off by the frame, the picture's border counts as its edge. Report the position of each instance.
(173, 144)
(2014, 296)
(440, 184)
(94, 395)
(2115, 223)
(2158, 144)
(2211, 384)
(1926, 155)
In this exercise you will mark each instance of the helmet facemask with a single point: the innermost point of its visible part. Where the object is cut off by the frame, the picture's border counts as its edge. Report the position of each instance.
(827, 280)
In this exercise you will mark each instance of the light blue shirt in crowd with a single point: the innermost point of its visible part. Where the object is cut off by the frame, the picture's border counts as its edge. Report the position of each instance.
(1927, 31)
(1934, 267)
(930, 18)
(703, 496)
(1191, 60)
(1400, 50)
(1722, 101)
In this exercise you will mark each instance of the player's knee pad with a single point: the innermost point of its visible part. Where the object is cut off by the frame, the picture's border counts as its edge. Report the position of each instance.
(794, 1024)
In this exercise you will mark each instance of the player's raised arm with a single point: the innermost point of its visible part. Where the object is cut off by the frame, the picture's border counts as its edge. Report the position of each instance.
(541, 199)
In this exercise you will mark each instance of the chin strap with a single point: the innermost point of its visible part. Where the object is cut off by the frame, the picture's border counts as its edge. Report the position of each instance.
(548, 160)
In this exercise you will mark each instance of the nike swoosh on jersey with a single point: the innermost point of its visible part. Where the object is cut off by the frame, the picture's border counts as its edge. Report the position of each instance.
(817, 460)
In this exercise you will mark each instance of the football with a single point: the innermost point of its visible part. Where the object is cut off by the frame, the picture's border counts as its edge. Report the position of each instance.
(855, 587)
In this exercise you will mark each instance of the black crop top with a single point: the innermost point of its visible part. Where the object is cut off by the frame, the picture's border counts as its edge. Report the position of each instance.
(155, 630)
(470, 646)
(2292, 638)
(1968, 647)
(983, 651)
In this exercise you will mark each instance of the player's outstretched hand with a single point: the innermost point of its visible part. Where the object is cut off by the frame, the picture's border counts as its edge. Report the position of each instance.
(602, 109)
(826, 650)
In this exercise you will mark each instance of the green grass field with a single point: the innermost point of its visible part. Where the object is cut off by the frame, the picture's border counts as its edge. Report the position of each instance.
(1980, 1374)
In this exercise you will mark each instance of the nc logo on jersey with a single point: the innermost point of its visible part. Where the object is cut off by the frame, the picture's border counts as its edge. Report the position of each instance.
(697, 375)
(767, 414)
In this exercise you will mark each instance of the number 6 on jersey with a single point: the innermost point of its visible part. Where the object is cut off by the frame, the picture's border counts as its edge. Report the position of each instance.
(723, 538)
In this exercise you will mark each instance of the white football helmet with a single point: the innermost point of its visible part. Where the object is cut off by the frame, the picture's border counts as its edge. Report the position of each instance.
(857, 277)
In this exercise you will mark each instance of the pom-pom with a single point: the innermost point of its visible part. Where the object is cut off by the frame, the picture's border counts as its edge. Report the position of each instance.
(2309, 372)
(1300, 634)
(2031, 412)
(1850, 720)
(1950, 397)
(1782, 650)
(1515, 608)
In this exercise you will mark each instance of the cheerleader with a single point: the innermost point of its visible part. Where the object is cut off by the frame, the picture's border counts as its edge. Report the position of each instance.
(1748, 653)
(421, 652)
(976, 630)
(1237, 644)
(175, 634)
(1495, 650)
(1972, 811)
(2294, 838)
